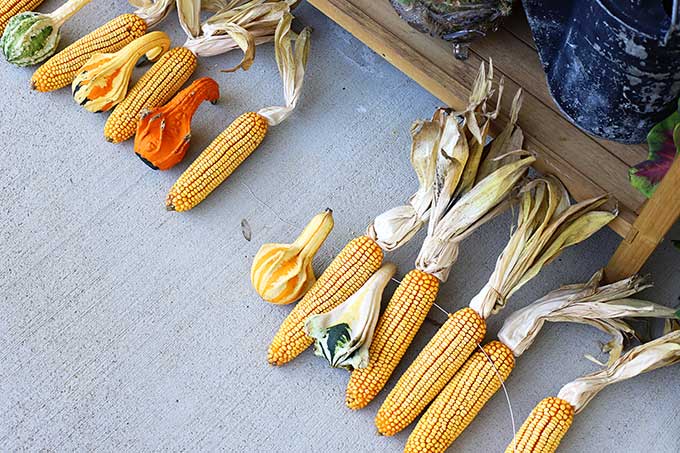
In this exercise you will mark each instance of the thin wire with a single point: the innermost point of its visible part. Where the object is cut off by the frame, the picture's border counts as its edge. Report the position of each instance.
(498, 374)
(507, 396)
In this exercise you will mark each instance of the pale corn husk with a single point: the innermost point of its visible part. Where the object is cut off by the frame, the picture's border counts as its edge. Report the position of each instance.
(547, 224)
(152, 11)
(343, 335)
(397, 226)
(593, 303)
(510, 139)
(453, 221)
(650, 356)
(291, 61)
(238, 25)
(460, 201)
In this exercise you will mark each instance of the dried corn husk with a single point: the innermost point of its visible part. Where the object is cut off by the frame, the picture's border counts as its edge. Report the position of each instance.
(103, 81)
(282, 273)
(462, 200)
(593, 303)
(238, 24)
(451, 223)
(658, 353)
(291, 62)
(398, 225)
(546, 225)
(153, 11)
(344, 334)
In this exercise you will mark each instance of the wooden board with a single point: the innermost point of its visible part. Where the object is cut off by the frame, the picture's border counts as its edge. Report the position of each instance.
(588, 166)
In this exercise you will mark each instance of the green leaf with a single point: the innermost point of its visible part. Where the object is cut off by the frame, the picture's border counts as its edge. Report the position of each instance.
(663, 141)
(338, 336)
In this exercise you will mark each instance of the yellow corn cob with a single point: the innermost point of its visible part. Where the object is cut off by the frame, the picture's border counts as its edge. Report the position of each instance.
(60, 70)
(461, 400)
(10, 8)
(217, 162)
(395, 330)
(431, 370)
(155, 88)
(355, 264)
(544, 428)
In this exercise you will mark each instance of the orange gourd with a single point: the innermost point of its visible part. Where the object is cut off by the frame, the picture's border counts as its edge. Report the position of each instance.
(163, 134)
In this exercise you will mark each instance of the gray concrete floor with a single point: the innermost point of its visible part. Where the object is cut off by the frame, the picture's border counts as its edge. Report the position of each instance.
(126, 327)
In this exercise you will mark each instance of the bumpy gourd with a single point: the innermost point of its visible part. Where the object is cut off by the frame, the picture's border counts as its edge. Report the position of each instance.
(164, 133)
(103, 81)
(31, 38)
(282, 273)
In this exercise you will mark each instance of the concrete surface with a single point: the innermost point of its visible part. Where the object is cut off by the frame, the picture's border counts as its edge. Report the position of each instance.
(124, 327)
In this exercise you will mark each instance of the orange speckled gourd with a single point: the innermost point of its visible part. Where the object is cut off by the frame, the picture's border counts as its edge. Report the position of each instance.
(164, 133)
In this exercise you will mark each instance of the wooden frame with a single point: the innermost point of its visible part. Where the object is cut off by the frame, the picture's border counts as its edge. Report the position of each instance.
(588, 166)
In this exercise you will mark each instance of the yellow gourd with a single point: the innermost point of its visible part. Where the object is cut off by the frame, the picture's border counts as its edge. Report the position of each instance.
(282, 273)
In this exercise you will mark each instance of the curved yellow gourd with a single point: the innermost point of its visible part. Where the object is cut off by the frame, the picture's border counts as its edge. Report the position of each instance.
(103, 81)
(282, 273)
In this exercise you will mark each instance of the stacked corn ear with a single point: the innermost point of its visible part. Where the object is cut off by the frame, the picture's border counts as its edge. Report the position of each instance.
(31, 38)
(60, 70)
(343, 335)
(10, 8)
(103, 81)
(389, 231)
(550, 420)
(546, 225)
(348, 272)
(217, 162)
(483, 374)
(156, 87)
(454, 163)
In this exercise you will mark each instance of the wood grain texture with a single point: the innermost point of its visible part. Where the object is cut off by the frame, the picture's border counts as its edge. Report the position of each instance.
(587, 167)
(657, 217)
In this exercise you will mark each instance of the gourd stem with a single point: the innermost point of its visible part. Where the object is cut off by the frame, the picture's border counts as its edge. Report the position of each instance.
(65, 11)
(152, 45)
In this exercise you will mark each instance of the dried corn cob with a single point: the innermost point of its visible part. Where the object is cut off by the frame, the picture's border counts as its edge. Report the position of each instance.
(545, 427)
(154, 88)
(10, 8)
(363, 256)
(459, 168)
(395, 227)
(407, 310)
(481, 376)
(444, 354)
(546, 225)
(60, 70)
(551, 418)
(217, 162)
(470, 389)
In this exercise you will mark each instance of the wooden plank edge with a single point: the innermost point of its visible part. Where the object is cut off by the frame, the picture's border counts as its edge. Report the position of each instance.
(416, 71)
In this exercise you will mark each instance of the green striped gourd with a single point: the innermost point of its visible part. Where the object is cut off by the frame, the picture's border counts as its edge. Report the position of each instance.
(31, 38)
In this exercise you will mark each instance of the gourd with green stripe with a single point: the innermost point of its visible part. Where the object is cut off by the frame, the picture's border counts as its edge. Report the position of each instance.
(31, 38)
